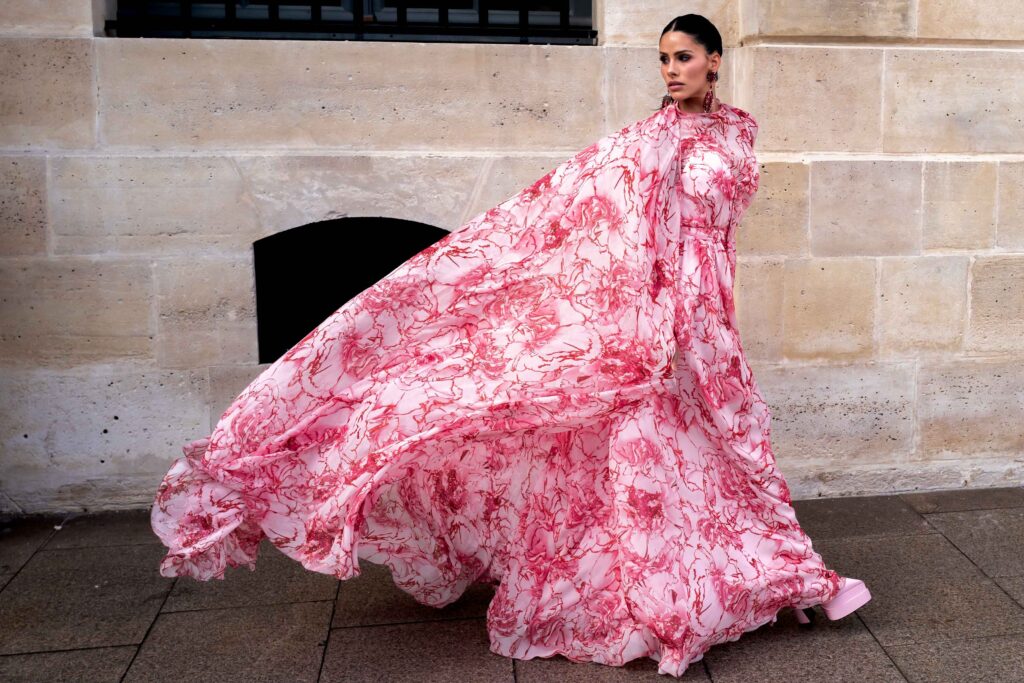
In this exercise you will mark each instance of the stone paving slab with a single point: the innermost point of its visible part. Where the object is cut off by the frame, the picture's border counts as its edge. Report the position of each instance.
(1014, 587)
(842, 650)
(966, 499)
(993, 539)
(561, 670)
(82, 597)
(128, 527)
(428, 652)
(373, 599)
(923, 588)
(96, 665)
(246, 644)
(862, 516)
(997, 659)
(21, 537)
(277, 579)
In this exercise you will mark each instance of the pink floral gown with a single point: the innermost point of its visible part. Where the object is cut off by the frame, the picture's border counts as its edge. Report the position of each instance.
(552, 398)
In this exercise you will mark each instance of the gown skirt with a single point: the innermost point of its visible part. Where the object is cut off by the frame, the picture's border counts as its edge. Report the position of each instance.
(552, 399)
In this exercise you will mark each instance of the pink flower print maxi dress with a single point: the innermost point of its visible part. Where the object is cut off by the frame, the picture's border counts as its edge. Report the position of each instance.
(552, 398)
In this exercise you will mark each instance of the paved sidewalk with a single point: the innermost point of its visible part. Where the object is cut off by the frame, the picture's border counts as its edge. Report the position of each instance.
(81, 600)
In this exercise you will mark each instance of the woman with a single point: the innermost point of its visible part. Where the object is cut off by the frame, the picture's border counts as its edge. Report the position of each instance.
(553, 399)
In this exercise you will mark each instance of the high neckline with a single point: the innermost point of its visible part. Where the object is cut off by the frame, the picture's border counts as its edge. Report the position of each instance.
(700, 114)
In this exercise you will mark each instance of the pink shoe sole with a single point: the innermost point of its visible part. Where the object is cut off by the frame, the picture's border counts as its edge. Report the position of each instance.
(852, 595)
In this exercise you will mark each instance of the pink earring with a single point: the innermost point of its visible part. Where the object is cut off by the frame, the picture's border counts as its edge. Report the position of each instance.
(709, 96)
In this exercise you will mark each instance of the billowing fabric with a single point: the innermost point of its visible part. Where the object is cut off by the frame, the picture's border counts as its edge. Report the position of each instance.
(552, 398)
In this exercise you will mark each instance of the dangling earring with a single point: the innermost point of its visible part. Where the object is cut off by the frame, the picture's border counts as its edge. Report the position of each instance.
(709, 96)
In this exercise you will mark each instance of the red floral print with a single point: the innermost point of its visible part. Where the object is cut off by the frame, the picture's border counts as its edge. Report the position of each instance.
(554, 399)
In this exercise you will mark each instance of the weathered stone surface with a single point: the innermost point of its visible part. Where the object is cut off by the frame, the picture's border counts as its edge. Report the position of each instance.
(172, 93)
(226, 383)
(970, 20)
(829, 308)
(922, 303)
(970, 408)
(841, 479)
(634, 86)
(640, 22)
(206, 312)
(960, 205)
(1011, 206)
(878, 18)
(150, 205)
(776, 222)
(877, 212)
(289, 191)
(64, 311)
(759, 292)
(48, 99)
(997, 304)
(47, 18)
(849, 414)
(793, 93)
(98, 436)
(22, 206)
(503, 177)
(952, 100)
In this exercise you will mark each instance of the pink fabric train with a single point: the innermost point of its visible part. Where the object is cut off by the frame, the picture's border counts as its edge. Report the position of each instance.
(553, 398)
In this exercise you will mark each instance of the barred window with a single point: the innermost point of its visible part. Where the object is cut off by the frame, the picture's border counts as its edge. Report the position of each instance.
(476, 21)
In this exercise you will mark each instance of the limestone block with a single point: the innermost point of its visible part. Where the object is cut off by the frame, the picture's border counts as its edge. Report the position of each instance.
(1011, 206)
(206, 312)
(46, 18)
(65, 311)
(293, 190)
(970, 19)
(849, 414)
(970, 408)
(47, 94)
(160, 206)
(502, 177)
(952, 100)
(240, 94)
(876, 18)
(640, 22)
(869, 208)
(997, 304)
(840, 479)
(226, 383)
(959, 205)
(794, 93)
(22, 206)
(776, 222)
(634, 86)
(828, 308)
(759, 293)
(95, 436)
(922, 303)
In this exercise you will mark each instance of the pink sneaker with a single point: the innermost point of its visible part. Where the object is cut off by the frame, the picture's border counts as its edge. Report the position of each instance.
(852, 595)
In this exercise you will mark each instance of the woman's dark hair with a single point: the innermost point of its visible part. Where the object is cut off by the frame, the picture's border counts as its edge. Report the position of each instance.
(701, 30)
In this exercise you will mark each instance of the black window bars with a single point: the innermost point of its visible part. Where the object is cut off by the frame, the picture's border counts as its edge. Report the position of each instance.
(505, 21)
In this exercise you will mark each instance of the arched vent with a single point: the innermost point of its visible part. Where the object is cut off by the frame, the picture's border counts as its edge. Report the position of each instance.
(305, 274)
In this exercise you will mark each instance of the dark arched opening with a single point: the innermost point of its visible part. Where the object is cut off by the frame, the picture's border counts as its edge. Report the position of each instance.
(306, 273)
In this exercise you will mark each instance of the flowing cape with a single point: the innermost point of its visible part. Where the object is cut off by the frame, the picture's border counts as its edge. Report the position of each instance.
(552, 399)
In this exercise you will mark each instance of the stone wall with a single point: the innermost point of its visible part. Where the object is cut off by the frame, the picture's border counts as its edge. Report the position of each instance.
(881, 266)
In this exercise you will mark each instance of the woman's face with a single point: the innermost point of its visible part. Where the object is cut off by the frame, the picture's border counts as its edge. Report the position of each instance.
(686, 62)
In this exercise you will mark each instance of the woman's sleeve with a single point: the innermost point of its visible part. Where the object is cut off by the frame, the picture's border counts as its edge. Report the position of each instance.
(749, 176)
